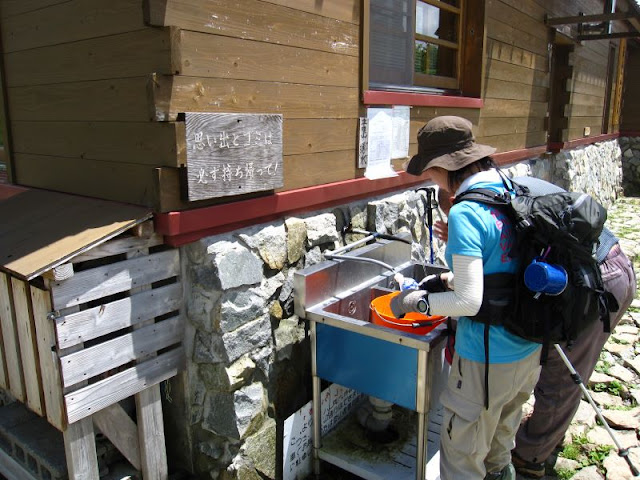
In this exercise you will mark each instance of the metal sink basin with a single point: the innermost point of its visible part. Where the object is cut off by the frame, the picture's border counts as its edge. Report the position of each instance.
(339, 293)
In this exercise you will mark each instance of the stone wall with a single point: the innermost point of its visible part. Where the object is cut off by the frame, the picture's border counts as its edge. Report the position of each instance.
(630, 147)
(595, 169)
(249, 358)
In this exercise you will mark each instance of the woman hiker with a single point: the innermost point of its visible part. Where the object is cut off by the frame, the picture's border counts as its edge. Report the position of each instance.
(482, 402)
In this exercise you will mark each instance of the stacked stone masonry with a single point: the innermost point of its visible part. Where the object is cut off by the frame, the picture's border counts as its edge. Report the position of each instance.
(250, 366)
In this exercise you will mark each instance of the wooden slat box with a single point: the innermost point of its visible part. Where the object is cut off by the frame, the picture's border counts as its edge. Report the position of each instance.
(80, 336)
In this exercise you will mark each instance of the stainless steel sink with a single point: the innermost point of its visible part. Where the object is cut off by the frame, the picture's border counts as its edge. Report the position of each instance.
(349, 350)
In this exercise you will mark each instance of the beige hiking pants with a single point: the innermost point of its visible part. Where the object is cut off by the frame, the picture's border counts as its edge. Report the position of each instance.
(475, 440)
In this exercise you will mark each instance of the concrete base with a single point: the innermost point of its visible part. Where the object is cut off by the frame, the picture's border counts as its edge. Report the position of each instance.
(32, 449)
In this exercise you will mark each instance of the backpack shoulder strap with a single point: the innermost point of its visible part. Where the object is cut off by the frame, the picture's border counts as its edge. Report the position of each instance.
(484, 195)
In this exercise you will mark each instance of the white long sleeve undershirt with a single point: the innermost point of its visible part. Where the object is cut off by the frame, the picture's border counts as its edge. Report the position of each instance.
(466, 298)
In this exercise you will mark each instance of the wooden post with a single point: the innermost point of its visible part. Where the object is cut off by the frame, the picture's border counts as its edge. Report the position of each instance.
(10, 340)
(80, 450)
(47, 353)
(153, 453)
(28, 346)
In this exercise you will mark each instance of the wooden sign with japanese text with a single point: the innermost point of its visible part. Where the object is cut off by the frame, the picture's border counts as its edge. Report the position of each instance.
(232, 154)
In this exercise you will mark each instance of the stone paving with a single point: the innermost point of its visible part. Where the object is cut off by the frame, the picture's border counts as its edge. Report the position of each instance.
(588, 452)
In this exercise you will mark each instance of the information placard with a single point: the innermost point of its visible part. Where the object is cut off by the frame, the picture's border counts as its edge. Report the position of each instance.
(337, 402)
(232, 154)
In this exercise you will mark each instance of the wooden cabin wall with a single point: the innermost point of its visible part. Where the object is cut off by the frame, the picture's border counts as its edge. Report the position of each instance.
(95, 88)
(77, 74)
(297, 58)
(517, 75)
(516, 79)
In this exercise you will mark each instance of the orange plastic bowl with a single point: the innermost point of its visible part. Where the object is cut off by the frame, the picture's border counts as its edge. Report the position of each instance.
(381, 314)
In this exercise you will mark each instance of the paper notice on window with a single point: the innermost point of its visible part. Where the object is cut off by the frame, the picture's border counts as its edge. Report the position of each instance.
(400, 116)
(379, 143)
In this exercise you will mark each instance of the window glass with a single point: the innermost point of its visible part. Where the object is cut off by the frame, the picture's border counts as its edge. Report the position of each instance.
(436, 23)
(432, 59)
(415, 44)
(391, 42)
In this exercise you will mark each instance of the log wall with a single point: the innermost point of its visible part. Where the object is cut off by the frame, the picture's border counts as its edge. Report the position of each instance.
(96, 90)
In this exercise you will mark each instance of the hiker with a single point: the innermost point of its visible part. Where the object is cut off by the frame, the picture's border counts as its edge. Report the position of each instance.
(557, 397)
(483, 399)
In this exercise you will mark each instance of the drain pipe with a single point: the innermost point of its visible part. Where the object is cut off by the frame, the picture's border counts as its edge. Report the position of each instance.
(375, 415)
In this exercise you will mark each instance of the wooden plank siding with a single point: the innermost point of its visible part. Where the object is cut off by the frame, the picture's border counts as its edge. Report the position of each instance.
(345, 10)
(131, 54)
(215, 56)
(175, 94)
(103, 86)
(143, 143)
(124, 182)
(17, 7)
(516, 76)
(115, 100)
(258, 20)
(39, 23)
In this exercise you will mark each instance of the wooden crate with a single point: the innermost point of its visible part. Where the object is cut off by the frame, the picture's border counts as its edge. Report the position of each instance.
(90, 333)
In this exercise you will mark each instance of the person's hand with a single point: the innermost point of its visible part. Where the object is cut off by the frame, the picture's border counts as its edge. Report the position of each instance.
(434, 283)
(409, 301)
(441, 229)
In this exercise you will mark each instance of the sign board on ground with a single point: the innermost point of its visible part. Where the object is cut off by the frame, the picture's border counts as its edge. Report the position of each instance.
(337, 402)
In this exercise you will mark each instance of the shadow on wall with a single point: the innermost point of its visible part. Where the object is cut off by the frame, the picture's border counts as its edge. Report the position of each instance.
(630, 147)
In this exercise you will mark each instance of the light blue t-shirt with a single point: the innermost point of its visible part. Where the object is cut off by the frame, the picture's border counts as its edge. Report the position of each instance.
(478, 230)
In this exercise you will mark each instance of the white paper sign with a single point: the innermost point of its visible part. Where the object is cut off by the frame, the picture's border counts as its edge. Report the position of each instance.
(363, 142)
(337, 402)
(380, 142)
(401, 117)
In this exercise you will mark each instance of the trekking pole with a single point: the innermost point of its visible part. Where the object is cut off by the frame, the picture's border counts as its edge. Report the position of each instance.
(622, 452)
(430, 192)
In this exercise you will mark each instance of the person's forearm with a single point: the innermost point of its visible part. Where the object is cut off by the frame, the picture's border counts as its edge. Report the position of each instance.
(466, 299)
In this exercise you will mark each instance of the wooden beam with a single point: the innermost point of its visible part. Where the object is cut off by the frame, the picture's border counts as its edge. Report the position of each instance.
(10, 339)
(605, 36)
(51, 384)
(59, 22)
(61, 272)
(153, 451)
(28, 345)
(80, 450)
(600, 17)
(172, 95)
(118, 427)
